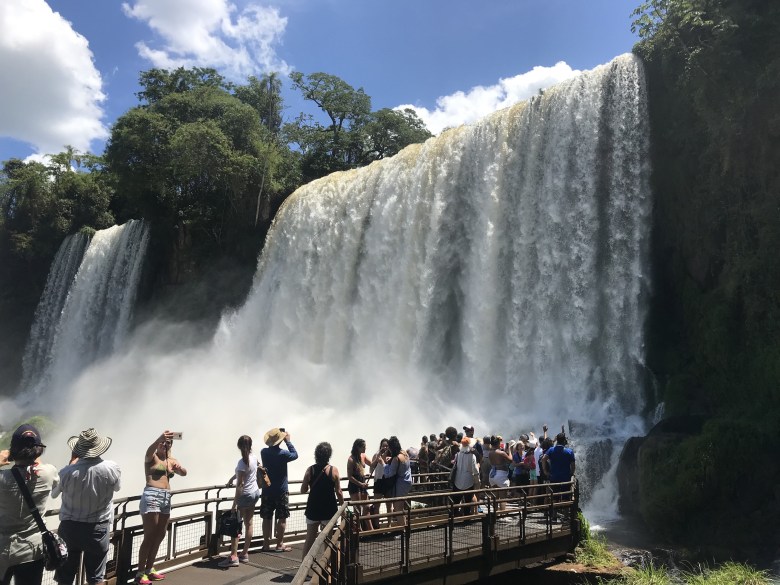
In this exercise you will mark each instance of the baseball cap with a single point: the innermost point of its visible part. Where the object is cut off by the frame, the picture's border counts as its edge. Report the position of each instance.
(26, 436)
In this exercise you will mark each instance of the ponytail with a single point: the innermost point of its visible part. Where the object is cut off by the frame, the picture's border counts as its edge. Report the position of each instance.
(245, 446)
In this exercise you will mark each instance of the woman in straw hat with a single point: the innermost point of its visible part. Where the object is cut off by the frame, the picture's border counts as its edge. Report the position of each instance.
(21, 555)
(155, 507)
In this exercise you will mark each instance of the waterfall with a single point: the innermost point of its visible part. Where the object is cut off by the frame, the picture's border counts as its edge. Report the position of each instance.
(47, 313)
(508, 257)
(85, 317)
(504, 263)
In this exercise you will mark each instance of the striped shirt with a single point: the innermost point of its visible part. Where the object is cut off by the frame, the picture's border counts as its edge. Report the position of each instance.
(87, 489)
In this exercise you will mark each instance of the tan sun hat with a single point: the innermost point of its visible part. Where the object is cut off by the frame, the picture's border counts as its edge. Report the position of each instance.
(89, 444)
(274, 437)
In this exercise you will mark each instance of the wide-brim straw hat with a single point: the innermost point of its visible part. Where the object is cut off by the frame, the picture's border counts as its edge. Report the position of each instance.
(89, 443)
(273, 437)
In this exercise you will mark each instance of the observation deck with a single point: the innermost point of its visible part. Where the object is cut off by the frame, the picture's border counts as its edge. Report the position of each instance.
(430, 540)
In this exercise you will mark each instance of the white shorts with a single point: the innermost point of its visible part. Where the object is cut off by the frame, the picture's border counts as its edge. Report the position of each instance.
(499, 478)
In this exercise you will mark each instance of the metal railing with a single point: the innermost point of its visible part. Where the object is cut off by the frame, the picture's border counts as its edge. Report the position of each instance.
(428, 527)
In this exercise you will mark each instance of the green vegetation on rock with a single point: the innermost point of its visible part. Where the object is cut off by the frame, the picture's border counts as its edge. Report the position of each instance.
(714, 329)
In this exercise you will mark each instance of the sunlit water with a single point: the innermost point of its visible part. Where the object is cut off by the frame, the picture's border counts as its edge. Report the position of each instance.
(496, 275)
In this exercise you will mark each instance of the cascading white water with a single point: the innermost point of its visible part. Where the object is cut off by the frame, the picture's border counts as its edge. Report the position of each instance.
(63, 270)
(94, 316)
(495, 275)
(508, 257)
(506, 262)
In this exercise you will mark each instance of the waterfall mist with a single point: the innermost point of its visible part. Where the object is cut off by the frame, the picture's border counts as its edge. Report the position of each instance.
(495, 275)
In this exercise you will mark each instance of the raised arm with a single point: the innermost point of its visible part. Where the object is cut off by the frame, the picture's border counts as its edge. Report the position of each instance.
(150, 451)
(292, 453)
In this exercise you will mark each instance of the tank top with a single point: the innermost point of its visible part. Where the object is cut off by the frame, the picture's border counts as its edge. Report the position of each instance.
(322, 504)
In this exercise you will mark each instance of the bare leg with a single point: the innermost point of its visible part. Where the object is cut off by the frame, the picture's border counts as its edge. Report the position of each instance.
(267, 523)
(311, 536)
(281, 526)
(248, 515)
(154, 525)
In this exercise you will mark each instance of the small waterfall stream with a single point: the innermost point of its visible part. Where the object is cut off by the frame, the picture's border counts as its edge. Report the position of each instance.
(85, 310)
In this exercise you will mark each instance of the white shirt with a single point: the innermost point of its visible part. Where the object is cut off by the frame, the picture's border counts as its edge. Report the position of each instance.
(250, 474)
(466, 470)
(538, 452)
(87, 489)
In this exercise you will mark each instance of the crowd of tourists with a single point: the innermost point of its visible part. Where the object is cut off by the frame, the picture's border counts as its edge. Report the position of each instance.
(88, 483)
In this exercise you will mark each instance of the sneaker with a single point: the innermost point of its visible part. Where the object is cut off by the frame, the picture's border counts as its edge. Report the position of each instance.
(243, 558)
(228, 562)
(142, 579)
(153, 575)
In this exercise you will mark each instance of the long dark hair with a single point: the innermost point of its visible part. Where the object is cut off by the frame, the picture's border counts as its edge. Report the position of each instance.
(394, 445)
(245, 445)
(356, 447)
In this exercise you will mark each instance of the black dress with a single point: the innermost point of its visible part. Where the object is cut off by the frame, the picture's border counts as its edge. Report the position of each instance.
(322, 503)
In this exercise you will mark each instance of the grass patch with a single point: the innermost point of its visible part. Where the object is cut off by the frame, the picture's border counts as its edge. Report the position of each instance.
(592, 549)
(728, 574)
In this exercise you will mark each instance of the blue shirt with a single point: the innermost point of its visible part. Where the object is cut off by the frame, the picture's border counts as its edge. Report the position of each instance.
(560, 463)
(275, 460)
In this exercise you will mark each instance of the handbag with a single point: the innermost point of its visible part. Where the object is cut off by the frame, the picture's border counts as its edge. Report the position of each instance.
(55, 551)
(263, 481)
(230, 524)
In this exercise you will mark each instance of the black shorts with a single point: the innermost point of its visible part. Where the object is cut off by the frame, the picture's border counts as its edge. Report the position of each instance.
(279, 504)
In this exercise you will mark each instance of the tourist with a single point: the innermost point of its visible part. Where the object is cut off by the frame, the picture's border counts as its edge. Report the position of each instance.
(521, 475)
(423, 460)
(323, 484)
(377, 468)
(484, 466)
(559, 464)
(87, 485)
(499, 468)
(357, 485)
(397, 466)
(160, 466)
(466, 476)
(21, 557)
(276, 498)
(476, 446)
(245, 500)
(530, 459)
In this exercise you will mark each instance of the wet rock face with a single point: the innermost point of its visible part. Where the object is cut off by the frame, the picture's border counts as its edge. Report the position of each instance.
(628, 477)
(666, 431)
(596, 463)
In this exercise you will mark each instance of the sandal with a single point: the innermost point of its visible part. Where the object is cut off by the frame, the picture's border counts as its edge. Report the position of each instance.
(283, 549)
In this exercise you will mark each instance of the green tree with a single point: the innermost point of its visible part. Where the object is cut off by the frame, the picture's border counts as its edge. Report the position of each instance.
(194, 159)
(355, 136)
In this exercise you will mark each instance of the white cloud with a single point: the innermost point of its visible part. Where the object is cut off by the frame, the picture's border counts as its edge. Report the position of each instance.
(211, 33)
(51, 89)
(464, 107)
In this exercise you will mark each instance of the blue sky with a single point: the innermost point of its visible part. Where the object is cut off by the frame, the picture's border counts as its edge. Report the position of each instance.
(69, 68)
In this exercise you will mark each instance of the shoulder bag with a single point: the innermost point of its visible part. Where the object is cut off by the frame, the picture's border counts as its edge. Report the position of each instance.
(230, 523)
(55, 551)
(263, 481)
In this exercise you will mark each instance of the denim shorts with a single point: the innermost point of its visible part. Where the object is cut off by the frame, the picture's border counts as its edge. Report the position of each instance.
(155, 500)
(248, 500)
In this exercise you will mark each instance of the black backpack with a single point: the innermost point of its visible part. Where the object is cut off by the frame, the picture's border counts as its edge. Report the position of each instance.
(229, 524)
